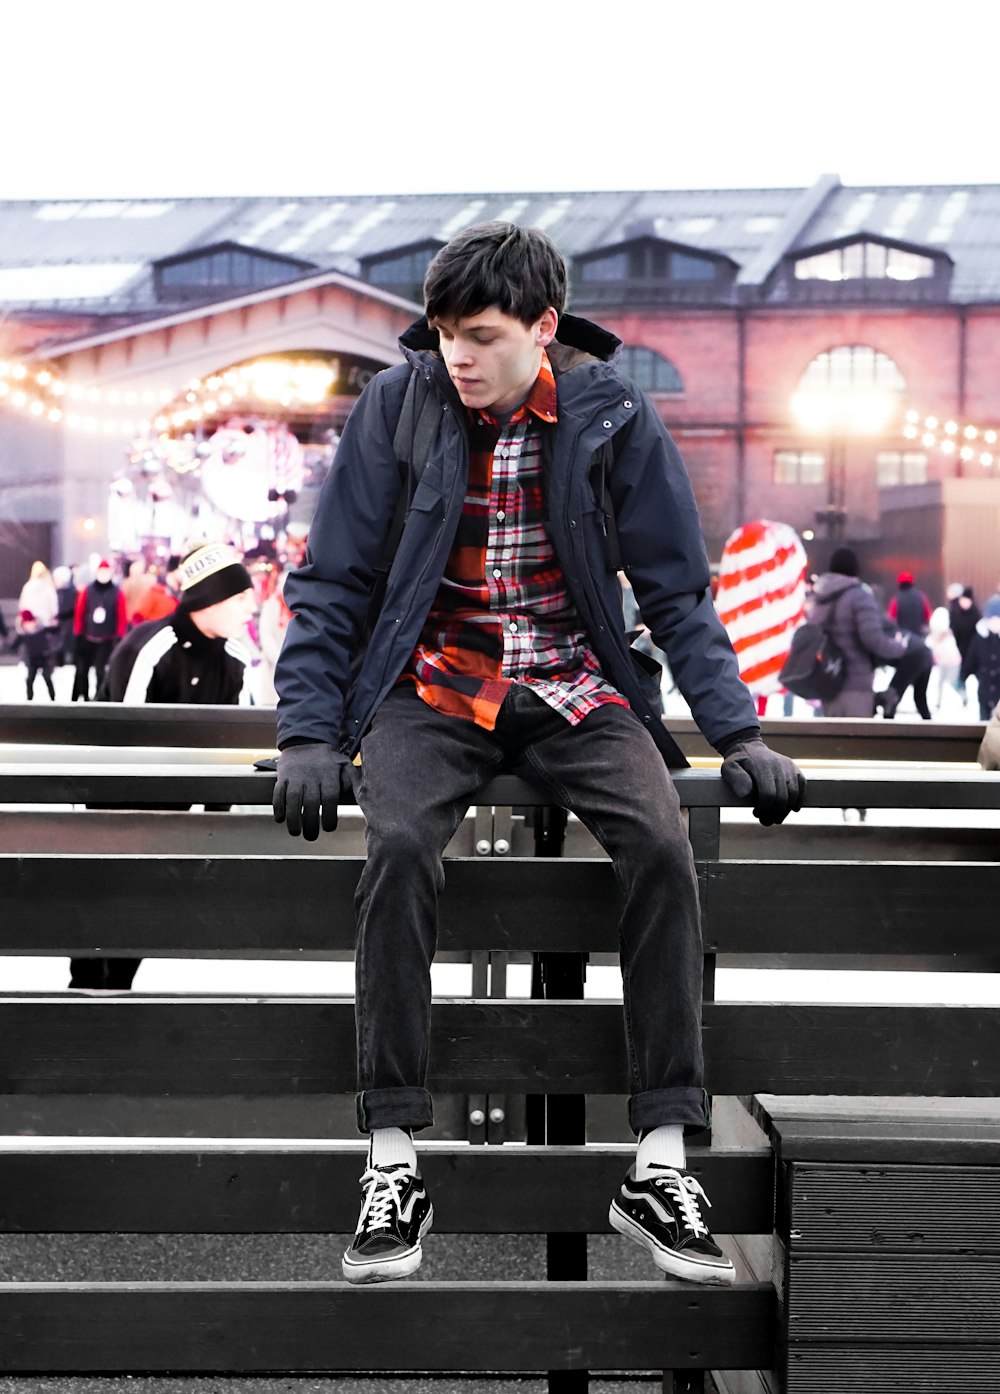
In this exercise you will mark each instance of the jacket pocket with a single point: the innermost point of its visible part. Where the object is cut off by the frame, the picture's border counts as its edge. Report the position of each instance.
(649, 674)
(429, 493)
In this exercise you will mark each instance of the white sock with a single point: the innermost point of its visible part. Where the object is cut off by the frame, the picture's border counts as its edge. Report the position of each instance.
(663, 1147)
(390, 1146)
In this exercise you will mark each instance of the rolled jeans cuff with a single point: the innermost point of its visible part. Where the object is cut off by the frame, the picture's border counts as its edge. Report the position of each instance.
(654, 1108)
(400, 1107)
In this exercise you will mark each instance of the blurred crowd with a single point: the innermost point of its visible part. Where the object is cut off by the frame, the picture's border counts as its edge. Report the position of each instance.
(76, 618)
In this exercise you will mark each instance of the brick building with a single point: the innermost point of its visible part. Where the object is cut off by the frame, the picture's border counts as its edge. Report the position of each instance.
(785, 334)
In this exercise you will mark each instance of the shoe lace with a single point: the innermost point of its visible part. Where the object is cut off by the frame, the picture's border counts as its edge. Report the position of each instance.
(381, 1194)
(685, 1190)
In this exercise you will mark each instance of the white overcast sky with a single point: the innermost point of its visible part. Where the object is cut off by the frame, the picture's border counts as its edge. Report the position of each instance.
(102, 98)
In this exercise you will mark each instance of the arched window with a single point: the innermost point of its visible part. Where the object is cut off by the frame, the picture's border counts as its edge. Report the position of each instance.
(649, 369)
(853, 389)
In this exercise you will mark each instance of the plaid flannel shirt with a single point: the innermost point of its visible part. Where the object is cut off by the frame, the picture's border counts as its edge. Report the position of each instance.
(503, 613)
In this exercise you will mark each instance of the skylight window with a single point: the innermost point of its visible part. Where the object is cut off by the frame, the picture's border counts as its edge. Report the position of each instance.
(369, 220)
(690, 227)
(268, 223)
(57, 212)
(64, 282)
(103, 209)
(147, 209)
(465, 217)
(309, 230)
(553, 213)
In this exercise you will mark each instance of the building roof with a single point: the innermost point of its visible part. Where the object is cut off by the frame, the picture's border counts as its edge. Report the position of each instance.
(96, 257)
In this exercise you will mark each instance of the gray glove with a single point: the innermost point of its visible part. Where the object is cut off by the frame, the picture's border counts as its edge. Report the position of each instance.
(777, 783)
(312, 780)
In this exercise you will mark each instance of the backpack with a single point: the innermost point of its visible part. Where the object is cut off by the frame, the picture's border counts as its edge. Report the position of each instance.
(816, 667)
(419, 418)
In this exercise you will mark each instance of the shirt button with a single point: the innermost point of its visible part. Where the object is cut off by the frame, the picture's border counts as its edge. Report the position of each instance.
(504, 453)
(513, 629)
(194, 682)
(187, 643)
(501, 514)
(498, 573)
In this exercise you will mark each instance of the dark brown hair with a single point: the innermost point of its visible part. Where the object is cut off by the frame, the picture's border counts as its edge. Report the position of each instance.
(518, 270)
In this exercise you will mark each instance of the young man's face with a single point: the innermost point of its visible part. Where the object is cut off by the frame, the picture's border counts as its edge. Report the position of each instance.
(492, 358)
(227, 618)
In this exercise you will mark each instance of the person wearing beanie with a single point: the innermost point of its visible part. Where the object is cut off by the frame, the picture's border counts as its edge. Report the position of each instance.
(909, 615)
(982, 659)
(909, 609)
(846, 606)
(33, 640)
(98, 623)
(192, 655)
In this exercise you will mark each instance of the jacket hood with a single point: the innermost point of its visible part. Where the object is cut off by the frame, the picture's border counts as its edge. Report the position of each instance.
(576, 340)
(834, 583)
(578, 343)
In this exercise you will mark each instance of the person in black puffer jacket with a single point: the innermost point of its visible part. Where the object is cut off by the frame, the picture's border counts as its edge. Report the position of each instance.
(193, 655)
(982, 660)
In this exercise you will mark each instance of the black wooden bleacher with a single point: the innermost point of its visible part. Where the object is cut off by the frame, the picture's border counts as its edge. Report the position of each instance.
(61, 1053)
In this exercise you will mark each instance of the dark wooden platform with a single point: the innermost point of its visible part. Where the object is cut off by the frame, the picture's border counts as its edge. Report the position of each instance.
(841, 1220)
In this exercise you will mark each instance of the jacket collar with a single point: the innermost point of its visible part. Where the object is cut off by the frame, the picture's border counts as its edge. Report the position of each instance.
(578, 341)
(575, 339)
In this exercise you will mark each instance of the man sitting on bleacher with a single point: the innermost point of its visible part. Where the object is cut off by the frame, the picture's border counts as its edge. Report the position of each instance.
(533, 467)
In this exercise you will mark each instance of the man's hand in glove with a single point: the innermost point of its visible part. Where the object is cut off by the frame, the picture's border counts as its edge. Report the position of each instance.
(777, 783)
(312, 780)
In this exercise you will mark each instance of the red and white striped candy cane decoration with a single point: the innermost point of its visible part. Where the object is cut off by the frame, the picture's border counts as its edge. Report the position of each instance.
(761, 598)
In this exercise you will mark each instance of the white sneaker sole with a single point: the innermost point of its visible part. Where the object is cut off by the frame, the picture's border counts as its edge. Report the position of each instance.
(668, 1260)
(386, 1270)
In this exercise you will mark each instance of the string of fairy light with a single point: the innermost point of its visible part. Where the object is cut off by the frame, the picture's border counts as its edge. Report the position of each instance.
(40, 391)
(961, 440)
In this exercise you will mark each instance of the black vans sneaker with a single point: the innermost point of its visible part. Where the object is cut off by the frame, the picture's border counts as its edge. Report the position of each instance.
(662, 1214)
(396, 1213)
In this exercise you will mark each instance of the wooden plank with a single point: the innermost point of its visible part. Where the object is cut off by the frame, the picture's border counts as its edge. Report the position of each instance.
(236, 1189)
(298, 905)
(894, 1297)
(838, 1207)
(252, 727)
(291, 904)
(132, 1044)
(163, 724)
(914, 1368)
(841, 907)
(43, 830)
(936, 1131)
(905, 786)
(293, 1328)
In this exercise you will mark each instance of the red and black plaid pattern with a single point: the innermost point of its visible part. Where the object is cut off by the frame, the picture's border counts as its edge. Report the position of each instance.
(503, 613)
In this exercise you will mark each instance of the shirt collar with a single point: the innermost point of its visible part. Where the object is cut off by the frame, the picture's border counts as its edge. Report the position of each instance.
(541, 400)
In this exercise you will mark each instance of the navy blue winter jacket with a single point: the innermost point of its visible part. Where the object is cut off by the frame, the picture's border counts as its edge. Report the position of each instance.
(347, 643)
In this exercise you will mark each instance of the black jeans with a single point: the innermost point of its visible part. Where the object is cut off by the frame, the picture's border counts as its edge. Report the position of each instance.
(90, 653)
(420, 773)
(914, 667)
